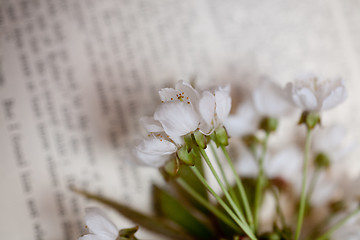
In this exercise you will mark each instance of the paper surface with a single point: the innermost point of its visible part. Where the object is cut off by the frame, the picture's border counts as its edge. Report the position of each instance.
(75, 76)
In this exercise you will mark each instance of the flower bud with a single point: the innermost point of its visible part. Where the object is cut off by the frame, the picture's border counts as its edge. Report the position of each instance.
(268, 124)
(310, 119)
(322, 160)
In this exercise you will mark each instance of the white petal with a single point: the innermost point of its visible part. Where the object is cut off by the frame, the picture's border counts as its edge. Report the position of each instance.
(305, 99)
(99, 224)
(151, 125)
(94, 237)
(153, 160)
(207, 111)
(269, 99)
(223, 103)
(177, 118)
(337, 96)
(188, 91)
(168, 94)
(245, 121)
(328, 139)
(157, 146)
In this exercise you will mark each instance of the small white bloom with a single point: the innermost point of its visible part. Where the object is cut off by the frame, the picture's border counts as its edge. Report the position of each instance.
(244, 121)
(270, 99)
(99, 226)
(183, 92)
(155, 151)
(177, 118)
(214, 109)
(330, 141)
(312, 94)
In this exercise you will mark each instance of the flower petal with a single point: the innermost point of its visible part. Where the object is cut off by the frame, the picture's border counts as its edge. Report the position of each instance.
(188, 91)
(177, 118)
(223, 102)
(151, 125)
(207, 111)
(305, 99)
(99, 224)
(245, 121)
(269, 99)
(94, 237)
(336, 96)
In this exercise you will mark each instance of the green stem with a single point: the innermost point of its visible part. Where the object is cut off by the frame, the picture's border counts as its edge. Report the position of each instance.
(260, 181)
(241, 189)
(241, 224)
(223, 175)
(313, 182)
(327, 234)
(278, 207)
(208, 205)
(303, 192)
(226, 193)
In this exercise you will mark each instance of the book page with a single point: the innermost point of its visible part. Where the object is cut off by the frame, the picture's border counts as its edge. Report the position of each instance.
(75, 76)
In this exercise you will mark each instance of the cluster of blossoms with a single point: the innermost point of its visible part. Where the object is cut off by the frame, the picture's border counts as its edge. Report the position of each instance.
(187, 120)
(183, 111)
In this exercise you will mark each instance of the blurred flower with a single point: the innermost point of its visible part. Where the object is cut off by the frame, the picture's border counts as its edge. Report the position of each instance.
(99, 226)
(311, 94)
(244, 121)
(155, 150)
(270, 100)
(214, 109)
(330, 141)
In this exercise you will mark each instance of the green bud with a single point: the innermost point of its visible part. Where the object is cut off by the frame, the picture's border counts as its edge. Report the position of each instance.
(185, 156)
(172, 167)
(310, 119)
(322, 160)
(221, 136)
(269, 124)
(200, 139)
(251, 141)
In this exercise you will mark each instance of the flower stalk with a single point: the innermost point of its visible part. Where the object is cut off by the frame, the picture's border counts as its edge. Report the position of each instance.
(260, 181)
(303, 187)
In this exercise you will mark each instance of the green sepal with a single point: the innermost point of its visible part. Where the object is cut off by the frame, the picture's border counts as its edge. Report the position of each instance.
(172, 167)
(128, 233)
(322, 161)
(310, 119)
(188, 142)
(221, 136)
(269, 124)
(200, 139)
(185, 156)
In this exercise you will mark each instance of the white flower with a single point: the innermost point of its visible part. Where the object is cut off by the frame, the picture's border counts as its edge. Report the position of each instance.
(177, 118)
(311, 94)
(244, 121)
(155, 151)
(285, 164)
(330, 141)
(270, 99)
(214, 109)
(183, 92)
(99, 226)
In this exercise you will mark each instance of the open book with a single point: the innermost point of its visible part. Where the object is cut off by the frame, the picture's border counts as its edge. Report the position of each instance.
(75, 76)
